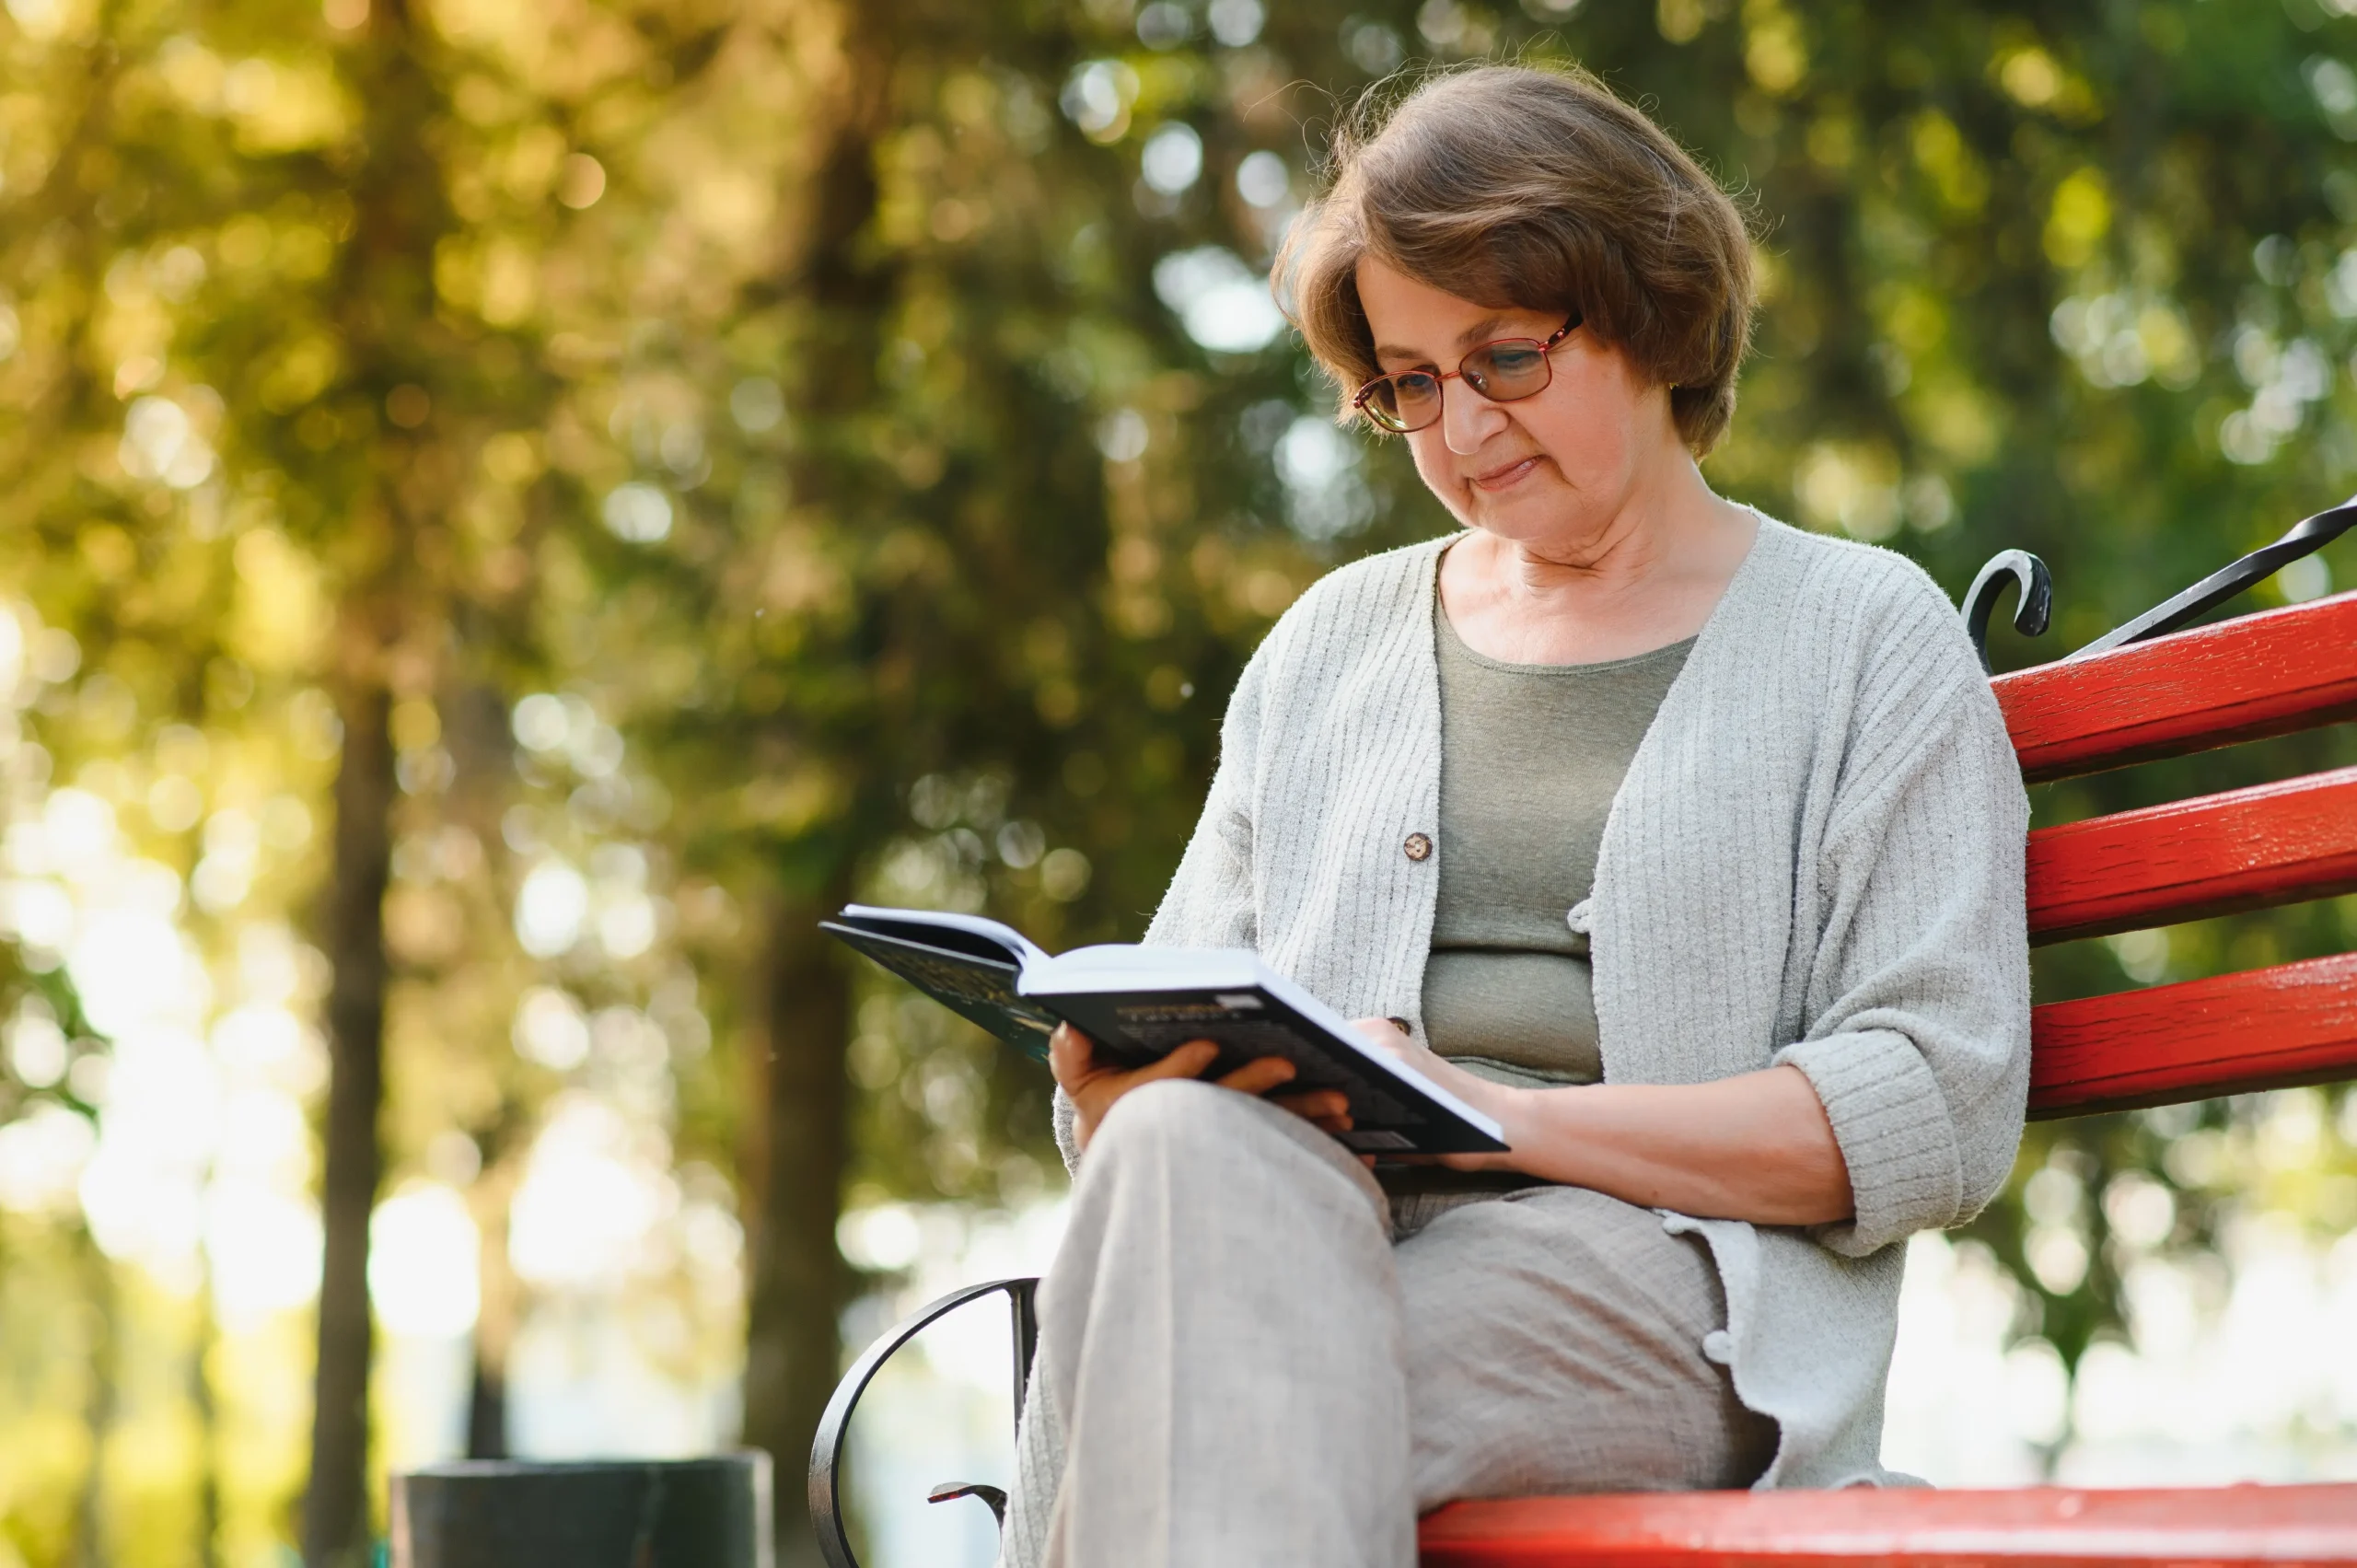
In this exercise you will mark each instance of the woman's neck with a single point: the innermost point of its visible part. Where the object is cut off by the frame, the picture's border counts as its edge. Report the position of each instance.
(1646, 575)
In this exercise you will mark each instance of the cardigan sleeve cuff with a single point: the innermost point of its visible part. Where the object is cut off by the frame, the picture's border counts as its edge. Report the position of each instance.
(1067, 1131)
(1892, 1124)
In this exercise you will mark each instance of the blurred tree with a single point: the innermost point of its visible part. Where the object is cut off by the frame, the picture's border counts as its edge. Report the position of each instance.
(47, 1033)
(290, 290)
(146, 170)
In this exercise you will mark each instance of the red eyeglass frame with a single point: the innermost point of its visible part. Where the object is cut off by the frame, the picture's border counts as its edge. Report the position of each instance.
(1546, 347)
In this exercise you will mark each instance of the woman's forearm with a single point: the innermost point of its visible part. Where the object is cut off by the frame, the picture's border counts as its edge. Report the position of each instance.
(1756, 1147)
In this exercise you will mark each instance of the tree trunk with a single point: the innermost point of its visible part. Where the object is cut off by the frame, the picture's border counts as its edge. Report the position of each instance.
(500, 1302)
(799, 1144)
(105, 1318)
(207, 1408)
(335, 1507)
(384, 310)
(795, 1176)
(487, 1411)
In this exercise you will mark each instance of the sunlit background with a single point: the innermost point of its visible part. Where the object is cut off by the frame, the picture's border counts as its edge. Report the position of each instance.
(511, 509)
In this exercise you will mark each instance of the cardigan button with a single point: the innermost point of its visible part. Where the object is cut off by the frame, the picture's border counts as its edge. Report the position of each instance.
(1419, 846)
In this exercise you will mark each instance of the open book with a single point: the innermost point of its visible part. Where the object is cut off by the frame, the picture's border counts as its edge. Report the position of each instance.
(1140, 1003)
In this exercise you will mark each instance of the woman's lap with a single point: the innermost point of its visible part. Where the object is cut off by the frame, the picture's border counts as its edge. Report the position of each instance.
(1232, 1347)
(1552, 1341)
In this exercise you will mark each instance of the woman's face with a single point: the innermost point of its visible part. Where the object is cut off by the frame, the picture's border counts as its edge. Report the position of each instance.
(1557, 467)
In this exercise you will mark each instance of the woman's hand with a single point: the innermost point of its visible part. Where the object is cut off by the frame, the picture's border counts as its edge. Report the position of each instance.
(1093, 1085)
(1754, 1147)
(1387, 1036)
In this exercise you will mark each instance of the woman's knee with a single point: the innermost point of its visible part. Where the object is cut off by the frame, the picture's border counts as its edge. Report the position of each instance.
(1223, 1137)
(1179, 1114)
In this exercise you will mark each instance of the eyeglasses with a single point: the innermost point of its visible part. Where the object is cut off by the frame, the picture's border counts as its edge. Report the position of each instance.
(1503, 372)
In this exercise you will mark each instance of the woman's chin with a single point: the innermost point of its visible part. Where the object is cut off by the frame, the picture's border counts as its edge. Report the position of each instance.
(1532, 509)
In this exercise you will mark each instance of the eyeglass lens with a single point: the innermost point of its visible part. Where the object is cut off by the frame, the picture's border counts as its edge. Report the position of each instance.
(1501, 372)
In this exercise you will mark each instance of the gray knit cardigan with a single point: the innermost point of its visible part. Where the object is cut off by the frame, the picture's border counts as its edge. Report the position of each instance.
(1816, 858)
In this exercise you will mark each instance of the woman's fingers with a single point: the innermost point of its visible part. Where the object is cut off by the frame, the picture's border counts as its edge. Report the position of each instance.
(1326, 1109)
(1387, 1036)
(1187, 1062)
(1258, 1075)
(1094, 1086)
(1072, 1056)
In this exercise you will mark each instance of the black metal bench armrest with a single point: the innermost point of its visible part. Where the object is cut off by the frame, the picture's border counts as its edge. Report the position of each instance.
(2305, 538)
(2034, 603)
(827, 1450)
(992, 1498)
(2025, 572)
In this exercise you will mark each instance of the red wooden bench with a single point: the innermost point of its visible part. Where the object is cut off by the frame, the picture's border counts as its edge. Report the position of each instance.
(2118, 702)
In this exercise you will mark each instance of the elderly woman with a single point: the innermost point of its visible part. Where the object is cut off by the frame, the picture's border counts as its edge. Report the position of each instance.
(1686, 844)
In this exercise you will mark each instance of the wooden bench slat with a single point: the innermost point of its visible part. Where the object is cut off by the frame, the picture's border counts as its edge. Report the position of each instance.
(2276, 843)
(2260, 1029)
(2257, 675)
(2276, 1525)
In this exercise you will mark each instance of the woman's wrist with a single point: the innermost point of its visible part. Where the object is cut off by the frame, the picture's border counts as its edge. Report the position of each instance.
(1510, 1108)
(1503, 1102)
(1543, 1132)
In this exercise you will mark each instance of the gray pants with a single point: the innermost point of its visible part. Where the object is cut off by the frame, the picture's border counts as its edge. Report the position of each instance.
(1250, 1355)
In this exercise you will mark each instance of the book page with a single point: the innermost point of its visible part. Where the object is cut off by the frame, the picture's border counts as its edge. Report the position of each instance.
(918, 925)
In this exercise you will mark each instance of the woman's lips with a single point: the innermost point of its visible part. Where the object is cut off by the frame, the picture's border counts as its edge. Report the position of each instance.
(1500, 479)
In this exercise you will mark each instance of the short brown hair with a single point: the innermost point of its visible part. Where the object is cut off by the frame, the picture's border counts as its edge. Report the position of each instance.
(1531, 188)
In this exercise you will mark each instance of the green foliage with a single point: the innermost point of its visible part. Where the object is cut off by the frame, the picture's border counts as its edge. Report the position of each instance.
(37, 996)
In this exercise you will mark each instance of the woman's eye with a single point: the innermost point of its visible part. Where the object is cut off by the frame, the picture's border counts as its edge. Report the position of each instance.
(1416, 384)
(1514, 361)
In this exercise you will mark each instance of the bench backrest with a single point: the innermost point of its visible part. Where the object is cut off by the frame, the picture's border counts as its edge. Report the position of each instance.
(2254, 676)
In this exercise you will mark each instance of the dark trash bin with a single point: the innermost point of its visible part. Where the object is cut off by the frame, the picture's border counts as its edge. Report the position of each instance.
(596, 1513)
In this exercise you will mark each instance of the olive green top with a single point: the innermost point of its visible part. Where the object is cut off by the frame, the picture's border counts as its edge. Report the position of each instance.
(1531, 756)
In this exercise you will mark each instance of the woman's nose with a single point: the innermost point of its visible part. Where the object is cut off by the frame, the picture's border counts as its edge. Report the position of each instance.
(1468, 419)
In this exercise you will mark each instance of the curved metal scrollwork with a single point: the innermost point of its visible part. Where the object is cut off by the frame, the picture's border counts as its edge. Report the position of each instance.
(2022, 571)
(827, 1450)
(2303, 538)
(992, 1498)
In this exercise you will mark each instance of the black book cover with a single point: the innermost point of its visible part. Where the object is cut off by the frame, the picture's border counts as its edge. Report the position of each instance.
(1139, 1004)
(973, 986)
(1140, 1025)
